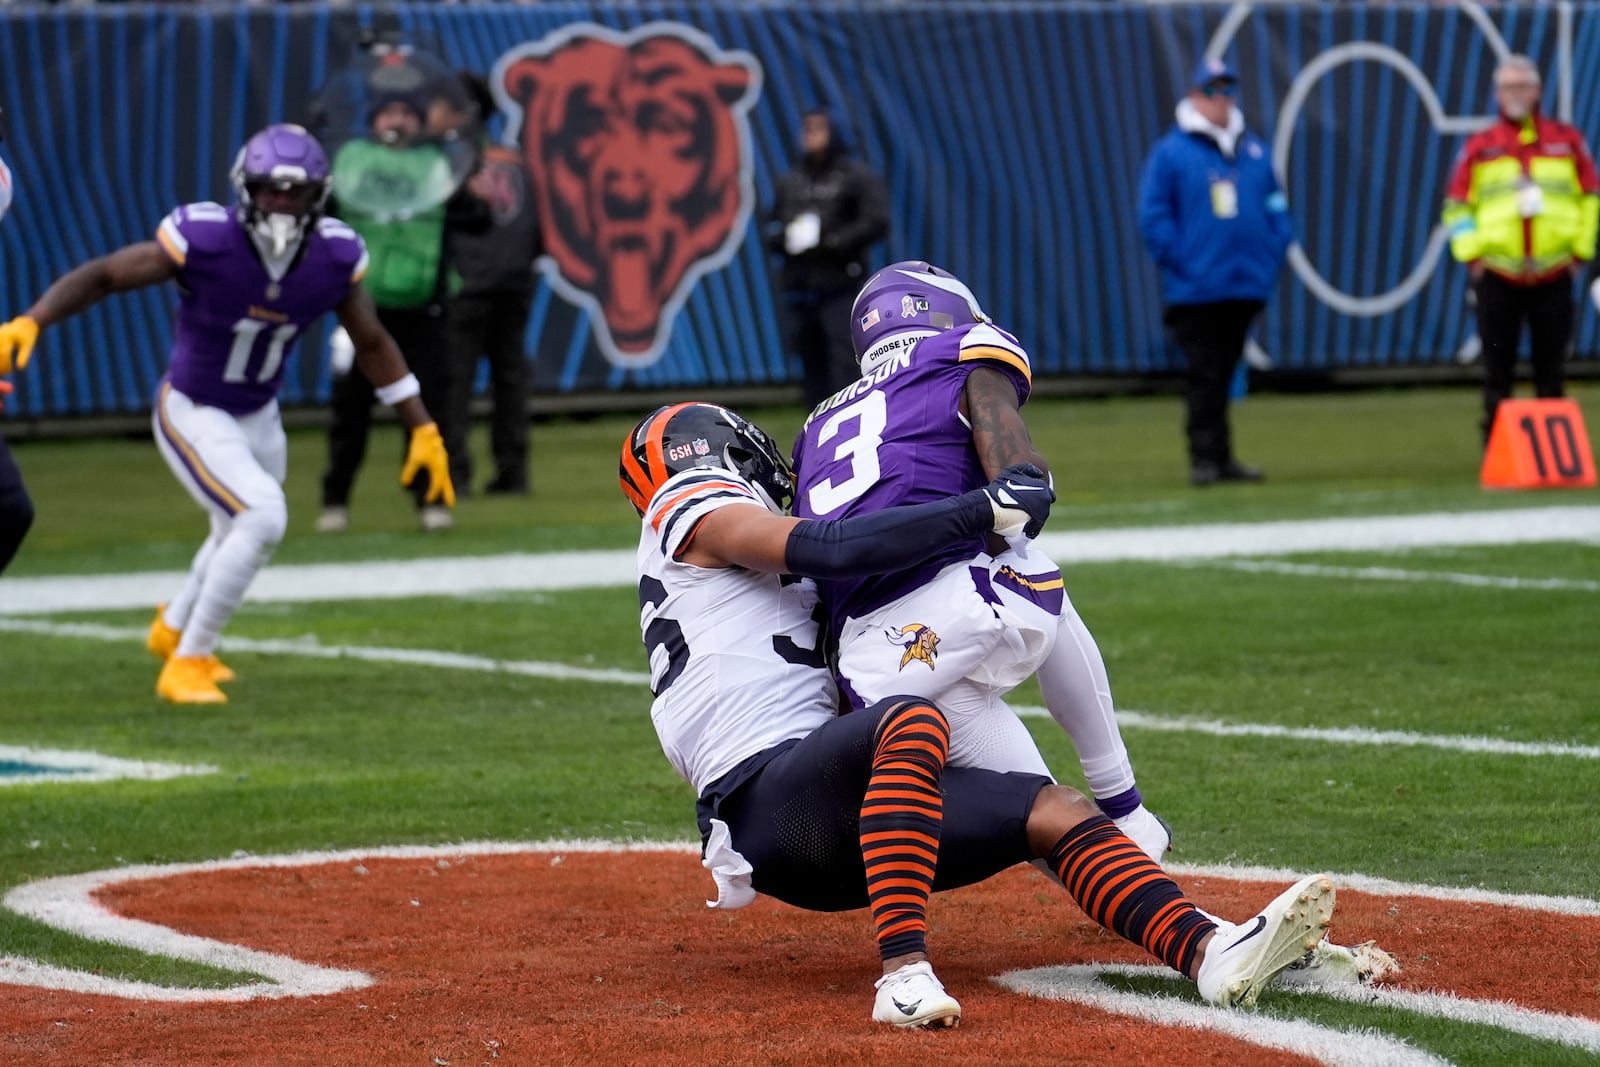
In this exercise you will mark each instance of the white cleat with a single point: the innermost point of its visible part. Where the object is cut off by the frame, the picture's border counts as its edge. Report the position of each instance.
(435, 517)
(333, 519)
(912, 998)
(1147, 830)
(1241, 960)
(1332, 965)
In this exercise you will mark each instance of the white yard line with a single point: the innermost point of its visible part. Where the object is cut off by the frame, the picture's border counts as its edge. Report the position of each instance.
(1393, 574)
(524, 572)
(1342, 735)
(1136, 720)
(309, 648)
(1082, 984)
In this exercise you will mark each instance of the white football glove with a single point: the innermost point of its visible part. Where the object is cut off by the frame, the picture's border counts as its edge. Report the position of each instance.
(1021, 497)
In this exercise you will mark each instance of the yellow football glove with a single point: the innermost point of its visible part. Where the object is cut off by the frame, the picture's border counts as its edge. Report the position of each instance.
(16, 343)
(426, 453)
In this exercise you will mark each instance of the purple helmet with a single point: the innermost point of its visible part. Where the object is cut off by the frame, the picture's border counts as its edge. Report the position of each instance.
(282, 178)
(906, 301)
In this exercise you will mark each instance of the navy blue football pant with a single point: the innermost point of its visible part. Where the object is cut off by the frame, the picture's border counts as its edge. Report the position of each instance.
(794, 812)
(16, 507)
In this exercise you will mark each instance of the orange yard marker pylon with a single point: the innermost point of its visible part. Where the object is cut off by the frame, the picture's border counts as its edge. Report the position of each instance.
(1538, 444)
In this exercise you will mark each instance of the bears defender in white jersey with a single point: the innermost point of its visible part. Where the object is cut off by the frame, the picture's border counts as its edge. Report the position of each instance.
(251, 278)
(736, 662)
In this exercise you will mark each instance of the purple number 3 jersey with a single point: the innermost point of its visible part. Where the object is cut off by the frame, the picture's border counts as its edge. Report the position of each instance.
(897, 437)
(237, 322)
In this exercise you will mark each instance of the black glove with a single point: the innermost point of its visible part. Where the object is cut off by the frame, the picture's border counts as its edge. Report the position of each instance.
(1021, 497)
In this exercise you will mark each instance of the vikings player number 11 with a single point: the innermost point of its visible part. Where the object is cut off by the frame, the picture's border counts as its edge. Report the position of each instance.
(246, 332)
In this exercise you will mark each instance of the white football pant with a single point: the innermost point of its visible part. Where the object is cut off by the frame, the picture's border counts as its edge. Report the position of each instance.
(233, 466)
(964, 640)
(983, 651)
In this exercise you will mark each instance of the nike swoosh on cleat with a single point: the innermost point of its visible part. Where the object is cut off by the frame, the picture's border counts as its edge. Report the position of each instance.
(908, 1009)
(1261, 924)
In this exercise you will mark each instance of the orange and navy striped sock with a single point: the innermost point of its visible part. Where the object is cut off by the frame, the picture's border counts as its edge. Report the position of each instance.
(1124, 890)
(900, 819)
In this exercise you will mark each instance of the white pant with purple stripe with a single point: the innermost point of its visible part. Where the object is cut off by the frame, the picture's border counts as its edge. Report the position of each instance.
(977, 630)
(227, 462)
(233, 466)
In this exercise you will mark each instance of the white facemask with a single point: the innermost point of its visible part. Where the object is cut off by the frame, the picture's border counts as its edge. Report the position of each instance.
(279, 231)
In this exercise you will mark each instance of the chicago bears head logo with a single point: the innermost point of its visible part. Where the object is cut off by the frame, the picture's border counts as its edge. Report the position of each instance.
(639, 149)
(919, 641)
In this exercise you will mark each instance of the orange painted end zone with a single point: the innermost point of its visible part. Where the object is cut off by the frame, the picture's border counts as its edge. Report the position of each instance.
(614, 959)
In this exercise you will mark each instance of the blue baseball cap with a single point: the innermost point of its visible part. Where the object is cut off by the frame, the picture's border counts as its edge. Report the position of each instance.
(1213, 70)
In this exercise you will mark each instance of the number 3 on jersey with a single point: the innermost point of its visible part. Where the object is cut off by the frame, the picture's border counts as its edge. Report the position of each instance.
(860, 451)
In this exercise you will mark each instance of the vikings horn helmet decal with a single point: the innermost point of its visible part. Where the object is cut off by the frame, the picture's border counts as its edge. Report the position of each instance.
(905, 301)
(677, 437)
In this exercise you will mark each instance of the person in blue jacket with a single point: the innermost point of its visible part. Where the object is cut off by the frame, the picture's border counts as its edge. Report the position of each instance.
(1213, 217)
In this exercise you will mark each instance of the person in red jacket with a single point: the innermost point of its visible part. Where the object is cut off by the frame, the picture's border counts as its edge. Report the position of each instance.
(1522, 210)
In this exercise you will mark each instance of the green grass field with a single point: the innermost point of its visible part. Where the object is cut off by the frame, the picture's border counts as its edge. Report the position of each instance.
(322, 753)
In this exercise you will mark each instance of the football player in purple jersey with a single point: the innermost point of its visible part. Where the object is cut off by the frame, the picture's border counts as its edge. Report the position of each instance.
(252, 277)
(937, 410)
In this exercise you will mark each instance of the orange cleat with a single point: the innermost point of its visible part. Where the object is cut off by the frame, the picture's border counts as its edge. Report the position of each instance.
(162, 640)
(187, 680)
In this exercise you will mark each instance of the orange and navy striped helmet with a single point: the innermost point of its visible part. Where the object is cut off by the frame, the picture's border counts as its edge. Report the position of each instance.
(677, 437)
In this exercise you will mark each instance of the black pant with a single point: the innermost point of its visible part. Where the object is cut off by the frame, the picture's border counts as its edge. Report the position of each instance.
(493, 325)
(422, 336)
(16, 507)
(817, 329)
(1212, 338)
(1502, 309)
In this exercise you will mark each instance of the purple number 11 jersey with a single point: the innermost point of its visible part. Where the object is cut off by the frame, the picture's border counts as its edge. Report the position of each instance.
(237, 322)
(897, 437)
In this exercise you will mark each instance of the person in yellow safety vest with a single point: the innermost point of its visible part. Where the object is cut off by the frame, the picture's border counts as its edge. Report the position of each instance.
(1522, 211)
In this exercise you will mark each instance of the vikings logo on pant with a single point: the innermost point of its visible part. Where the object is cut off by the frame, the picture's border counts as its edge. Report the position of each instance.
(920, 643)
(639, 148)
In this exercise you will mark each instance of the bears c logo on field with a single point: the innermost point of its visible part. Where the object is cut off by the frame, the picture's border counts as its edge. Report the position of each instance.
(920, 643)
(639, 148)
